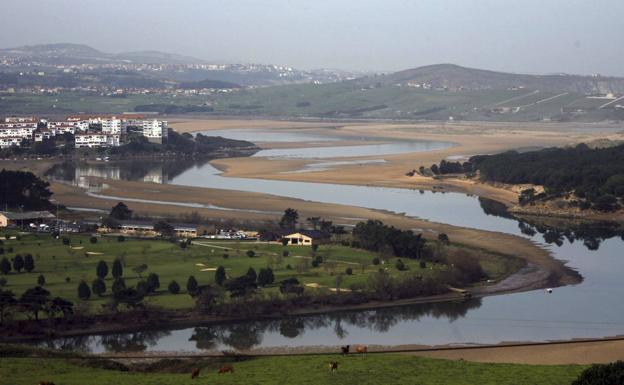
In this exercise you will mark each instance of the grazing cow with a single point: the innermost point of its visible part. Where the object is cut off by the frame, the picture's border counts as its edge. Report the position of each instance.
(333, 366)
(345, 349)
(226, 368)
(195, 373)
(361, 349)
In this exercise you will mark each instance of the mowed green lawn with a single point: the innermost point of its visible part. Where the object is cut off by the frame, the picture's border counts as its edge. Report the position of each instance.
(65, 266)
(383, 369)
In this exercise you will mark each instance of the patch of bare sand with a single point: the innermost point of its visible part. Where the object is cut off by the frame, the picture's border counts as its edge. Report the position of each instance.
(550, 354)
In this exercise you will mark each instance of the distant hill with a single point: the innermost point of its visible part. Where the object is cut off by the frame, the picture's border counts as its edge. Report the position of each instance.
(68, 53)
(454, 77)
(208, 83)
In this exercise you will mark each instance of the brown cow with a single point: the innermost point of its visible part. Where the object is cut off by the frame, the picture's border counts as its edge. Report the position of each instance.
(226, 368)
(195, 373)
(345, 350)
(361, 349)
(333, 366)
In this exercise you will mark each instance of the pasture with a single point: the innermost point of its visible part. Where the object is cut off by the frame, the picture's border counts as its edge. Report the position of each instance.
(384, 369)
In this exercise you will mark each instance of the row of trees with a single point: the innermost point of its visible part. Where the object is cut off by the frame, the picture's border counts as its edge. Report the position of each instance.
(23, 190)
(34, 301)
(26, 263)
(373, 235)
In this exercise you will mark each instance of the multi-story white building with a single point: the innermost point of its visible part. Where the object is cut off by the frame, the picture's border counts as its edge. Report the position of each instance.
(111, 126)
(21, 132)
(154, 130)
(96, 139)
(10, 141)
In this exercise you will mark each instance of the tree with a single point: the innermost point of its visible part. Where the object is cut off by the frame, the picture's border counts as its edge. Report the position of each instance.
(251, 253)
(603, 203)
(117, 268)
(41, 280)
(7, 301)
(240, 286)
(98, 287)
(289, 219)
(118, 285)
(434, 169)
(142, 287)
(29, 263)
(84, 293)
(121, 212)
(93, 240)
(265, 277)
(34, 300)
(220, 276)
(153, 282)
(18, 263)
(442, 237)
(60, 305)
(191, 285)
(173, 287)
(110, 223)
(24, 190)
(101, 270)
(251, 273)
(5, 266)
(400, 265)
(164, 228)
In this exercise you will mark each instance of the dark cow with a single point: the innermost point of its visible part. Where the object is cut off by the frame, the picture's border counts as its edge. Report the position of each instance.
(345, 350)
(195, 373)
(226, 368)
(333, 366)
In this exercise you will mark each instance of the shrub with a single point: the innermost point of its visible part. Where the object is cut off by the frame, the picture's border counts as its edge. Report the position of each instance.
(41, 280)
(285, 253)
(121, 238)
(101, 270)
(98, 287)
(265, 277)
(192, 285)
(84, 293)
(5, 266)
(220, 276)
(251, 253)
(29, 263)
(349, 271)
(400, 265)
(251, 273)
(18, 263)
(226, 256)
(93, 240)
(173, 287)
(117, 270)
(602, 374)
(423, 264)
(118, 286)
(66, 241)
(376, 261)
(153, 282)
(3, 282)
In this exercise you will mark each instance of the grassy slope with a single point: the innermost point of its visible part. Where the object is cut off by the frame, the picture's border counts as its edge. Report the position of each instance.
(371, 369)
(57, 261)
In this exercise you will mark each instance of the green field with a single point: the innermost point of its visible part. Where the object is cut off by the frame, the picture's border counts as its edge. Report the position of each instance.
(383, 369)
(65, 266)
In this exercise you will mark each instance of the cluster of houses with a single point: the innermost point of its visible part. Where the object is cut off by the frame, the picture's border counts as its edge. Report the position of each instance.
(88, 130)
(44, 221)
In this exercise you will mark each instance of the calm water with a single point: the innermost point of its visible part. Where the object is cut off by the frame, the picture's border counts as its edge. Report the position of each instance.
(591, 309)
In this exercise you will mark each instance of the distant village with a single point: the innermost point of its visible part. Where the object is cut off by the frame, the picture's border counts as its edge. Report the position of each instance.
(90, 131)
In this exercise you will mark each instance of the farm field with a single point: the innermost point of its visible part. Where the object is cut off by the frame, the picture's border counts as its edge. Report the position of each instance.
(64, 266)
(370, 369)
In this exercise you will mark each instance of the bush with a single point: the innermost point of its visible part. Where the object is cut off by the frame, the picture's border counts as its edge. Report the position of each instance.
(153, 282)
(173, 287)
(66, 241)
(18, 263)
(121, 238)
(349, 271)
(93, 240)
(220, 276)
(117, 270)
(119, 285)
(226, 256)
(29, 263)
(400, 265)
(3, 282)
(41, 280)
(602, 374)
(84, 293)
(423, 264)
(251, 253)
(376, 261)
(98, 287)
(192, 285)
(285, 253)
(265, 277)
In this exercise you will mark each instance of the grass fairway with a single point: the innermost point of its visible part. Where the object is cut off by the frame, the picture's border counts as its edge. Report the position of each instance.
(371, 369)
(64, 266)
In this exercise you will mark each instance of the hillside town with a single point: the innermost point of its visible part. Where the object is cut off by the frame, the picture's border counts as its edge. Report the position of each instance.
(90, 131)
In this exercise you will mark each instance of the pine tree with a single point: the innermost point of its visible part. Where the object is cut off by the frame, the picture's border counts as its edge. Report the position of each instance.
(153, 282)
(117, 269)
(220, 276)
(191, 285)
(29, 263)
(18, 263)
(101, 269)
(41, 280)
(5, 266)
(84, 293)
(174, 287)
(98, 287)
(251, 273)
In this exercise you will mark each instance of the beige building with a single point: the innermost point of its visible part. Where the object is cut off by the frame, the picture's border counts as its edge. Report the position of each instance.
(22, 219)
(305, 237)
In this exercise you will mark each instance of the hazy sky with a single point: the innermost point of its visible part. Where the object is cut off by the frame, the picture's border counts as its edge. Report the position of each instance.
(533, 36)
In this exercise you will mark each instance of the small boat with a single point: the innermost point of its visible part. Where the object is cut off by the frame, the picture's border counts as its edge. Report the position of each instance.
(548, 290)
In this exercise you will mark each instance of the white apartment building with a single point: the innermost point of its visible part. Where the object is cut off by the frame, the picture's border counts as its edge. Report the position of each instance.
(18, 132)
(9, 141)
(154, 130)
(96, 139)
(112, 126)
(44, 134)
